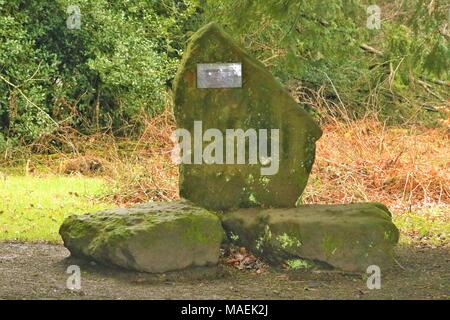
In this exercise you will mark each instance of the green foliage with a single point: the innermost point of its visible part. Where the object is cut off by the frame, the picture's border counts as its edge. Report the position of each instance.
(117, 67)
(319, 44)
(109, 73)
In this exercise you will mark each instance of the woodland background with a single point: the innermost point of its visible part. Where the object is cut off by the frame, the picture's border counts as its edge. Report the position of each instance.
(117, 69)
(86, 114)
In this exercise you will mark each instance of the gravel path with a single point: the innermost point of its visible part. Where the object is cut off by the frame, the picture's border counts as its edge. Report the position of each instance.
(38, 271)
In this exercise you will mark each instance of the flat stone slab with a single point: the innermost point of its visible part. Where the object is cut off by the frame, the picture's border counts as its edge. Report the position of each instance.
(348, 237)
(153, 237)
(224, 88)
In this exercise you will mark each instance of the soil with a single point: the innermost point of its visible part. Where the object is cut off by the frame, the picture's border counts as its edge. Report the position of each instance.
(38, 271)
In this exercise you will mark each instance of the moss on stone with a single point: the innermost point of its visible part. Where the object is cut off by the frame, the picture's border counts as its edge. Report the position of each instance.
(287, 241)
(155, 237)
(330, 245)
(350, 237)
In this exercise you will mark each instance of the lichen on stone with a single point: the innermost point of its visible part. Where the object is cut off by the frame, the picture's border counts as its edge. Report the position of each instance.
(287, 241)
(349, 237)
(154, 237)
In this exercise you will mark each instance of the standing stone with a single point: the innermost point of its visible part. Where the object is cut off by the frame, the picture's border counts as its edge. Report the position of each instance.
(257, 101)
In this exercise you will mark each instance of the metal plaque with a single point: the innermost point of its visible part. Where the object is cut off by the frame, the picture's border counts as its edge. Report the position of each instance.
(219, 75)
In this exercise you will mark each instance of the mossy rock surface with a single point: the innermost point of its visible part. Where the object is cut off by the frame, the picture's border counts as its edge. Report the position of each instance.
(154, 237)
(261, 103)
(348, 237)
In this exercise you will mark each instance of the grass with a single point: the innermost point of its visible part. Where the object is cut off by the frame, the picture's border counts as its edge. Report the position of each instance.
(32, 208)
(429, 227)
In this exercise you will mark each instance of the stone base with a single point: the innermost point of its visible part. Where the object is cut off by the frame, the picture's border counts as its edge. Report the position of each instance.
(169, 236)
(154, 237)
(348, 237)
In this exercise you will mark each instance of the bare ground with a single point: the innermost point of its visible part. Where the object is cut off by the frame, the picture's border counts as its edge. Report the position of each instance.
(38, 271)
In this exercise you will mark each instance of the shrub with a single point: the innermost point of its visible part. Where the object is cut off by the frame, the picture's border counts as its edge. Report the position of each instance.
(107, 74)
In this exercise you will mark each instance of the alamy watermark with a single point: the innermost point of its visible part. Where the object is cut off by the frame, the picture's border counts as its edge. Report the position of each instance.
(374, 280)
(374, 18)
(74, 19)
(263, 147)
(73, 282)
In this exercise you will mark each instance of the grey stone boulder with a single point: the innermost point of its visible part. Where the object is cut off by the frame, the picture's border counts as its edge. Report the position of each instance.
(154, 237)
(348, 237)
(262, 103)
